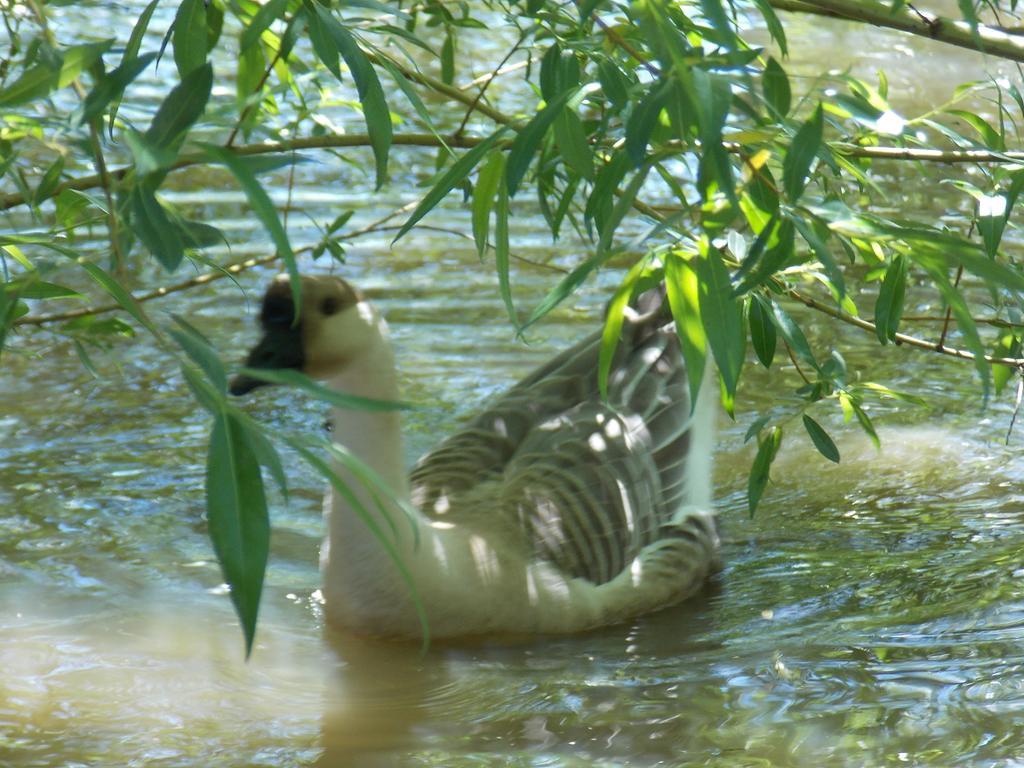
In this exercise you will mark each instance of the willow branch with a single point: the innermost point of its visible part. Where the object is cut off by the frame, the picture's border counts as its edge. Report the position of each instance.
(900, 338)
(986, 39)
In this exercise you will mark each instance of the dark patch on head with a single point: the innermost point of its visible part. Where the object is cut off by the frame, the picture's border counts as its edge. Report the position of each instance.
(278, 309)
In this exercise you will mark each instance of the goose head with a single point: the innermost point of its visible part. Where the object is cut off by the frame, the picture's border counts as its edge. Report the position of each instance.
(335, 327)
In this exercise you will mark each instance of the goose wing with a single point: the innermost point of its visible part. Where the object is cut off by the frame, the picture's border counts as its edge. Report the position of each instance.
(586, 483)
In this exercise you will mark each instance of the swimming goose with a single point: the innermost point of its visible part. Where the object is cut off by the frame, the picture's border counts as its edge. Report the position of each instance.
(550, 511)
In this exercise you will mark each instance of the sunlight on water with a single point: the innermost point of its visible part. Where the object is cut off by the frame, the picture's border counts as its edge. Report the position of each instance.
(871, 613)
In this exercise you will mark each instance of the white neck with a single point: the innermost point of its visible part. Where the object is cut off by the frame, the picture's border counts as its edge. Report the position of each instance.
(358, 574)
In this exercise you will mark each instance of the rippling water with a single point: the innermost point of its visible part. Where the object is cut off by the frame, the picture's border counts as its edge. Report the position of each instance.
(871, 613)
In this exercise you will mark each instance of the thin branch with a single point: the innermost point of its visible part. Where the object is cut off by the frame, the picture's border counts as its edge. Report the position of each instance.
(259, 87)
(900, 338)
(984, 39)
(476, 100)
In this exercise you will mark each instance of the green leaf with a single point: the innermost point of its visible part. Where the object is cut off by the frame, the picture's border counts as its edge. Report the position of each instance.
(155, 228)
(460, 169)
(201, 352)
(501, 253)
(793, 335)
(613, 83)
(448, 58)
(323, 40)
(118, 293)
(821, 440)
(484, 190)
(524, 147)
(111, 86)
(572, 141)
(34, 83)
(236, 510)
(613, 322)
(762, 331)
(810, 235)
(802, 151)
(148, 158)
(79, 58)
(293, 378)
(775, 84)
(31, 288)
(183, 106)
(767, 449)
(371, 94)
(131, 52)
(889, 305)
(864, 420)
(189, 37)
(48, 184)
(642, 120)
(264, 209)
(683, 290)
(267, 14)
(722, 317)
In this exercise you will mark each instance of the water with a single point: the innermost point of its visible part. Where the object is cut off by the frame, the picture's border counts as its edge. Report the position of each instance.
(871, 613)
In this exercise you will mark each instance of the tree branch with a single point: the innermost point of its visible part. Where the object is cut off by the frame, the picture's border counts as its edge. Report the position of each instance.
(988, 40)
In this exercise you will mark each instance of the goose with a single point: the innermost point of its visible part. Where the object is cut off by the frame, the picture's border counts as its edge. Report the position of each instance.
(552, 510)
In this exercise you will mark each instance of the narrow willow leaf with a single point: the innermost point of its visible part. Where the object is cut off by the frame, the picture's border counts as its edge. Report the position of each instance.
(812, 238)
(111, 86)
(200, 351)
(771, 251)
(613, 322)
(48, 184)
(34, 83)
(565, 287)
(84, 358)
(267, 14)
(189, 36)
(131, 53)
(183, 106)
(126, 301)
(236, 511)
(28, 288)
(992, 217)
(152, 225)
(448, 58)
(889, 305)
(989, 136)
(683, 290)
(762, 331)
(602, 196)
(371, 94)
(460, 169)
(417, 103)
(318, 19)
(80, 58)
(793, 335)
(714, 11)
(968, 328)
(642, 120)
(622, 206)
(264, 450)
(767, 449)
(826, 447)
(293, 378)
(722, 317)
(613, 83)
(775, 29)
(775, 84)
(524, 147)
(756, 426)
(501, 252)
(264, 209)
(484, 190)
(865, 421)
(802, 151)
(572, 141)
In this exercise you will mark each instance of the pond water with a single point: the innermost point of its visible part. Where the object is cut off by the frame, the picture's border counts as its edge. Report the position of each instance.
(871, 613)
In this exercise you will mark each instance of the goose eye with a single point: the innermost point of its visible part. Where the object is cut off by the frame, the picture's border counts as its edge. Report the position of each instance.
(329, 306)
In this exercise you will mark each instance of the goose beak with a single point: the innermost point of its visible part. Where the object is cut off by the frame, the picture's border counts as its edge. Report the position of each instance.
(279, 348)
